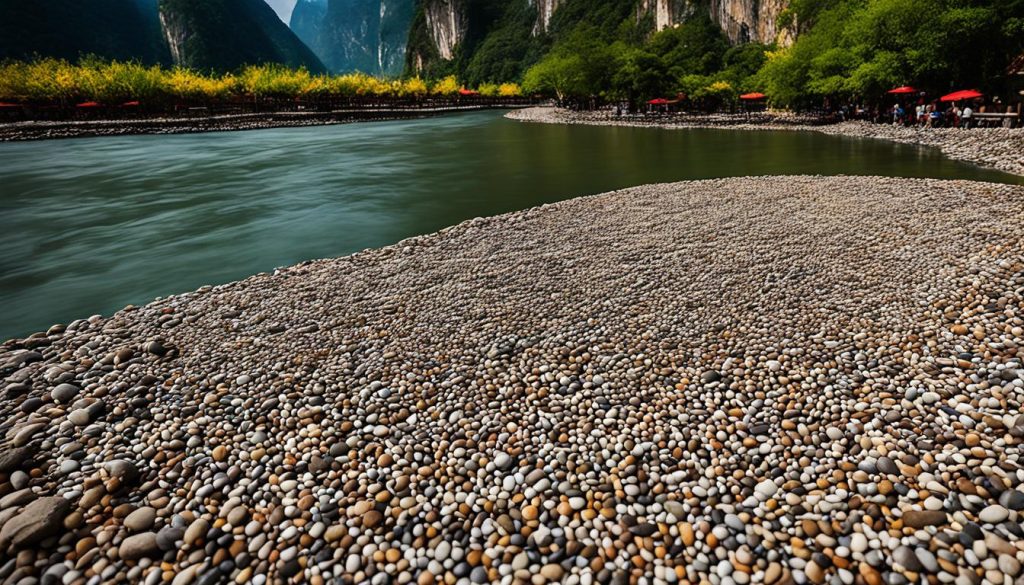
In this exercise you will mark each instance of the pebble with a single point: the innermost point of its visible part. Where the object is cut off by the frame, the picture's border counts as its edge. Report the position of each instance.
(728, 382)
(141, 519)
(994, 514)
(64, 393)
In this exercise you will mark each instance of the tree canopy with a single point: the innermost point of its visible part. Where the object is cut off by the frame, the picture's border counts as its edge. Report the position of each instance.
(845, 49)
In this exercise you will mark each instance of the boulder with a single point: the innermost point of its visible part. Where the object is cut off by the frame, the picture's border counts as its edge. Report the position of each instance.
(38, 521)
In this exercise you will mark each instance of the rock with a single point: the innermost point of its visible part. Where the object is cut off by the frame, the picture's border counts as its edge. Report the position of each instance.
(502, 460)
(644, 529)
(907, 558)
(887, 466)
(16, 361)
(552, 572)
(79, 417)
(923, 518)
(39, 520)
(766, 488)
(139, 546)
(168, 536)
(994, 514)
(124, 470)
(1012, 500)
(156, 348)
(27, 433)
(64, 393)
(13, 458)
(196, 531)
(141, 519)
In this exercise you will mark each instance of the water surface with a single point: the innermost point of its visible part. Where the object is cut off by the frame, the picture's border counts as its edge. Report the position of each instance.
(90, 225)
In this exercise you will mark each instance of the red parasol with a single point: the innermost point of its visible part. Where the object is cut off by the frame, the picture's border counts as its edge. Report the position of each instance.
(658, 102)
(902, 90)
(9, 105)
(966, 94)
(88, 105)
(753, 96)
(131, 104)
(468, 92)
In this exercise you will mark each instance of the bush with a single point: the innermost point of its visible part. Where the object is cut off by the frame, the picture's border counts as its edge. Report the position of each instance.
(112, 83)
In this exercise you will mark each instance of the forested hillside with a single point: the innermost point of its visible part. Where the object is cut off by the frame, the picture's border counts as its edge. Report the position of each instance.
(115, 29)
(633, 49)
(217, 35)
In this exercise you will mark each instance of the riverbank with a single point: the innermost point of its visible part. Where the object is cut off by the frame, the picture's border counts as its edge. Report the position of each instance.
(762, 379)
(999, 148)
(43, 130)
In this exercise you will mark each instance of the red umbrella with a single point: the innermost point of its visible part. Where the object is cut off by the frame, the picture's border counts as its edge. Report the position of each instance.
(9, 105)
(902, 90)
(658, 102)
(966, 94)
(131, 104)
(753, 96)
(468, 92)
(88, 105)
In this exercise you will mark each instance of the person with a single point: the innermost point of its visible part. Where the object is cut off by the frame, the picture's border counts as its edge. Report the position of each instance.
(897, 113)
(966, 116)
(935, 118)
(919, 114)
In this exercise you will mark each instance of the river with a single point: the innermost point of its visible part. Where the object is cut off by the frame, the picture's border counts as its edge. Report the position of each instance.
(90, 225)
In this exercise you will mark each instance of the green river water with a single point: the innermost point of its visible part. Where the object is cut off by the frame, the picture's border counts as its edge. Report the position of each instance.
(90, 225)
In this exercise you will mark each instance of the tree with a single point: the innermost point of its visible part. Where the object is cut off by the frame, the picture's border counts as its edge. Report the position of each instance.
(557, 74)
(639, 75)
(694, 47)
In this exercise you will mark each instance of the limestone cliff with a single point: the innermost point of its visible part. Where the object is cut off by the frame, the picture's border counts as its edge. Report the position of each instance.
(223, 35)
(356, 35)
(666, 13)
(446, 24)
(447, 36)
(750, 20)
(545, 10)
(743, 21)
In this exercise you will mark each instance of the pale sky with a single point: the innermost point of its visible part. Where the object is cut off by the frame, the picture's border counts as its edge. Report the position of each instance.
(283, 8)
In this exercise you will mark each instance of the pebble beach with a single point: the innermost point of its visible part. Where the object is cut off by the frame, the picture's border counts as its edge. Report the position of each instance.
(734, 381)
(998, 148)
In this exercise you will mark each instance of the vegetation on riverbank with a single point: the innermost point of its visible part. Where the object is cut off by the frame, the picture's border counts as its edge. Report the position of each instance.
(59, 81)
(845, 50)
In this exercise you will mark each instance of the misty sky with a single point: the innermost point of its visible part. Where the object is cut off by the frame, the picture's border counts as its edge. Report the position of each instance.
(283, 8)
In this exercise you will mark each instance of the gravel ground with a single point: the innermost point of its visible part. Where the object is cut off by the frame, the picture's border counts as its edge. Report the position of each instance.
(785, 379)
(999, 148)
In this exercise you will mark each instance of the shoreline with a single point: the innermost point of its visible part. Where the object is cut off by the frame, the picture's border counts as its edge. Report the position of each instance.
(724, 368)
(997, 148)
(53, 130)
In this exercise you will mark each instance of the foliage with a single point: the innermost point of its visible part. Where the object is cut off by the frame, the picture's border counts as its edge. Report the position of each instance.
(57, 80)
(845, 49)
(695, 47)
(274, 80)
(446, 86)
(854, 48)
(639, 75)
(66, 29)
(509, 90)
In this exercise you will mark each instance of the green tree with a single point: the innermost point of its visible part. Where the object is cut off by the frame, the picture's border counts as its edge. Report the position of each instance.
(694, 47)
(639, 75)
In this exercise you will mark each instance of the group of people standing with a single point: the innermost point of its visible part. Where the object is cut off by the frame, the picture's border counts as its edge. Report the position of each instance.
(938, 114)
(933, 115)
